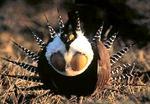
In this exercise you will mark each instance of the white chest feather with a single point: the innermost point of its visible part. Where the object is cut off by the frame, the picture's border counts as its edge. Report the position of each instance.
(55, 46)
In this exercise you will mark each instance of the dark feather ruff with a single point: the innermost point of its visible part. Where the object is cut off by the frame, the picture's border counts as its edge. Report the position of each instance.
(81, 85)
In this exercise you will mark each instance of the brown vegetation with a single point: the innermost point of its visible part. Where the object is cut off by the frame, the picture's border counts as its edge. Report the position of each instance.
(15, 22)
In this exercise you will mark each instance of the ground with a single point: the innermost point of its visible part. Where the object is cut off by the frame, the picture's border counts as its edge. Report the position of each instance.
(13, 20)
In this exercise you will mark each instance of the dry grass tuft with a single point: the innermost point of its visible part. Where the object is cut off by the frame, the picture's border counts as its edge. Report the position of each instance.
(9, 93)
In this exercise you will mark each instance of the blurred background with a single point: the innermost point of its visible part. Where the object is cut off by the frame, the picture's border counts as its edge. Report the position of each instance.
(131, 18)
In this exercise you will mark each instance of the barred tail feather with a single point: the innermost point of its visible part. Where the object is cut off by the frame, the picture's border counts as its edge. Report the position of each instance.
(33, 88)
(60, 22)
(29, 53)
(114, 58)
(98, 34)
(27, 78)
(50, 28)
(39, 41)
(23, 65)
(108, 43)
(78, 27)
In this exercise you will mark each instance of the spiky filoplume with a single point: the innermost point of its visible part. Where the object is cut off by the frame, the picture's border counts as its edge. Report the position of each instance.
(28, 53)
(23, 65)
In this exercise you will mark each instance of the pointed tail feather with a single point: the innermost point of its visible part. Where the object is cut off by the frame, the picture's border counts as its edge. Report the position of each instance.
(60, 21)
(114, 58)
(50, 28)
(78, 27)
(29, 53)
(39, 41)
(107, 32)
(108, 43)
(78, 24)
(33, 88)
(98, 34)
(27, 78)
(23, 65)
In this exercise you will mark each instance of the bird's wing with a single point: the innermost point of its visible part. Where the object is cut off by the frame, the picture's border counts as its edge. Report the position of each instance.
(104, 67)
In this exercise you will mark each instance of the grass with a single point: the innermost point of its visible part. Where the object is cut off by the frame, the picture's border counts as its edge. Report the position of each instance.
(9, 92)
(14, 21)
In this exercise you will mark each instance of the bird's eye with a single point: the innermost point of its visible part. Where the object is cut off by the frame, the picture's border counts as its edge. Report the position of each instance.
(78, 61)
(58, 61)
